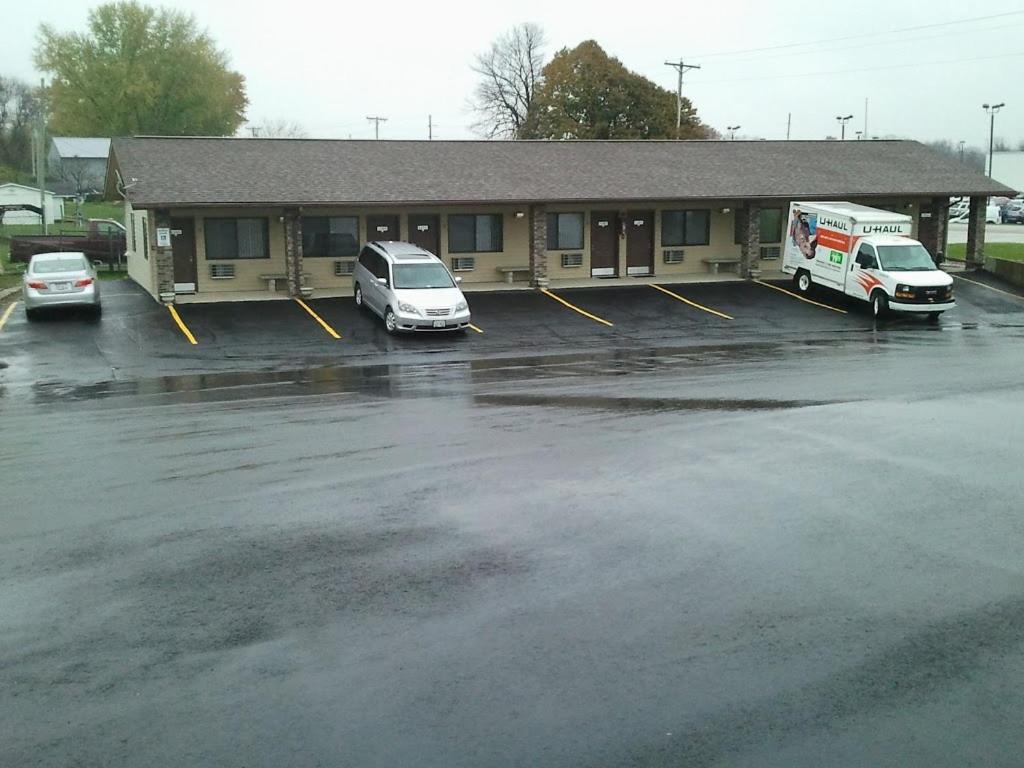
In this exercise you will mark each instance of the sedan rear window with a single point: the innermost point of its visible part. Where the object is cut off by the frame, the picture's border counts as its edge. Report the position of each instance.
(48, 266)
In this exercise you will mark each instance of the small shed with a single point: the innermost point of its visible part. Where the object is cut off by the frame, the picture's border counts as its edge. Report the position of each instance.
(19, 194)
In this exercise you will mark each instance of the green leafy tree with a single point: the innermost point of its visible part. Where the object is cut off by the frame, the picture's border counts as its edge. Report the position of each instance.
(587, 94)
(139, 70)
(19, 106)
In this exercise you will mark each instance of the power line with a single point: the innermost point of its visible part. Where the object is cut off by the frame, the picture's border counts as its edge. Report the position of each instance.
(863, 69)
(863, 35)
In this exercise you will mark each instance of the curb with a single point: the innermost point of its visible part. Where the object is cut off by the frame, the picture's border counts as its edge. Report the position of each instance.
(9, 291)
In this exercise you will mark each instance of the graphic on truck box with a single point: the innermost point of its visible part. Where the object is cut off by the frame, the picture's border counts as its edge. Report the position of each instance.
(804, 232)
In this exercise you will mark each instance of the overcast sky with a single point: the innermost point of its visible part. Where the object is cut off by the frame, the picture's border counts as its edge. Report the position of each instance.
(327, 65)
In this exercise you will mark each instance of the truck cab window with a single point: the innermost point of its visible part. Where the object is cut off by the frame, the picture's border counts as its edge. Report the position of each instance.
(866, 257)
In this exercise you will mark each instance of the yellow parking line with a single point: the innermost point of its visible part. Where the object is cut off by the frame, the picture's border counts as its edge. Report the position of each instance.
(972, 282)
(181, 324)
(475, 328)
(801, 298)
(315, 316)
(574, 308)
(692, 303)
(7, 314)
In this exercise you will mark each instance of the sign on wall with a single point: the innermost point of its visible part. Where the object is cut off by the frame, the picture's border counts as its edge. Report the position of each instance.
(163, 237)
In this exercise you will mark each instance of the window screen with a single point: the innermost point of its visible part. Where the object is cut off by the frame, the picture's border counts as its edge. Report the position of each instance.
(236, 238)
(474, 233)
(330, 236)
(565, 231)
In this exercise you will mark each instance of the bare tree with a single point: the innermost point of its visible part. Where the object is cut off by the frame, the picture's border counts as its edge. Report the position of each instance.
(509, 73)
(277, 129)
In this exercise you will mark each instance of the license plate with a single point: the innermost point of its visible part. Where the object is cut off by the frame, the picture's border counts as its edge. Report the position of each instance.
(439, 323)
(60, 286)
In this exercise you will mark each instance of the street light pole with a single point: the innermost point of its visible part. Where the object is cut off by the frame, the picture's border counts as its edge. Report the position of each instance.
(991, 109)
(843, 120)
(732, 131)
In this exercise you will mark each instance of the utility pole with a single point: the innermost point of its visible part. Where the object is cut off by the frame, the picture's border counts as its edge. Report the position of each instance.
(430, 127)
(41, 154)
(991, 110)
(962, 143)
(376, 124)
(789, 124)
(680, 67)
(865, 117)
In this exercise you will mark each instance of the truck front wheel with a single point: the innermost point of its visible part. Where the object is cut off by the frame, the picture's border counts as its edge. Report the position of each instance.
(803, 281)
(879, 304)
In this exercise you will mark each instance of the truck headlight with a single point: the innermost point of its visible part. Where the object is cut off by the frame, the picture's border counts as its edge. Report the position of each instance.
(904, 288)
(461, 306)
(409, 309)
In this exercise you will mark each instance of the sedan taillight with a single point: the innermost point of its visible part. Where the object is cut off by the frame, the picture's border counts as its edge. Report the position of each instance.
(38, 285)
(83, 282)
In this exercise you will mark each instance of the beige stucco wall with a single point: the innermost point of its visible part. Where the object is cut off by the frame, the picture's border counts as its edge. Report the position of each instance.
(515, 241)
(139, 258)
(247, 271)
(720, 245)
(515, 252)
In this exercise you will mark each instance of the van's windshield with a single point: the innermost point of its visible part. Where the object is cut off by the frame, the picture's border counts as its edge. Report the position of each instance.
(422, 276)
(905, 258)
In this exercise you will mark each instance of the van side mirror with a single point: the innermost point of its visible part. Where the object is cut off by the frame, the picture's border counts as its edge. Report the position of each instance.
(382, 280)
(458, 279)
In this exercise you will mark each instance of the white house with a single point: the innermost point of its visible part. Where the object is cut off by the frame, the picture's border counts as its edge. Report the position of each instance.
(19, 194)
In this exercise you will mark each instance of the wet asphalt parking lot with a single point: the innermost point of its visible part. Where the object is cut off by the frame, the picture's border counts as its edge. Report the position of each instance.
(788, 538)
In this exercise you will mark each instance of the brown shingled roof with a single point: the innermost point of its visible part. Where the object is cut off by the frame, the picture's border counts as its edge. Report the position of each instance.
(223, 171)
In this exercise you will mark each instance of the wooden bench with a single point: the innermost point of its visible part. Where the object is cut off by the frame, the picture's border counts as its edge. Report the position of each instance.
(509, 272)
(271, 280)
(714, 264)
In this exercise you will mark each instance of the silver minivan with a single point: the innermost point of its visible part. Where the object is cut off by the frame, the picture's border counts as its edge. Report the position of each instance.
(410, 288)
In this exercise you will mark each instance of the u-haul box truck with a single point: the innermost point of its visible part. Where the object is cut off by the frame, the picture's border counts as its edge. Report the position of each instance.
(865, 253)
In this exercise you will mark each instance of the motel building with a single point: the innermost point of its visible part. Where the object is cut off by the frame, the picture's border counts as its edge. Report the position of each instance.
(221, 219)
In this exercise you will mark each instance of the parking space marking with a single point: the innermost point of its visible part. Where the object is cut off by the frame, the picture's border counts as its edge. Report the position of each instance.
(574, 308)
(801, 298)
(475, 328)
(181, 324)
(972, 282)
(330, 331)
(694, 304)
(7, 314)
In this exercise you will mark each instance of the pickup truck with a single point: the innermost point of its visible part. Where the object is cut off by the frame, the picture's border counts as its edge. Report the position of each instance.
(103, 240)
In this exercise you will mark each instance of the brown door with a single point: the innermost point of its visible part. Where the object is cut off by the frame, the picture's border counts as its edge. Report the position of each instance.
(425, 231)
(382, 227)
(639, 243)
(183, 250)
(604, 244)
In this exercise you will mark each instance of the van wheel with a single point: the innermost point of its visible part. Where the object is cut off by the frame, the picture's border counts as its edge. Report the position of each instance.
(359, 296)
(390, 321)
(803, 281)
(879, 305)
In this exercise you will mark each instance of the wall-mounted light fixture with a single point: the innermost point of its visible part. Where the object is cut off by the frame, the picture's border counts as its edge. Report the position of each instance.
(727, 210)
(520, 215)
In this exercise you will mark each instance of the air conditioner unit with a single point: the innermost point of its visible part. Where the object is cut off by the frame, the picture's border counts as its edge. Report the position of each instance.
(572, 260)
(344, 267)
(673, 256)
(770, 252)
(222, 271)
(463, 263)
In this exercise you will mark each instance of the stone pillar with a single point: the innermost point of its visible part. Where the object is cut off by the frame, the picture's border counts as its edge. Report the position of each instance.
(931, 226)
(976, 233)
(293, 262)
(750, 240)
(538, 246)
(163, 258)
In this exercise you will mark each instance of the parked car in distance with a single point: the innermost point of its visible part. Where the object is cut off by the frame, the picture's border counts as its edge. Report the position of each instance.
(958, 212)
(1013, 213)
(410, 288)
(60, 280)
(104, 240)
